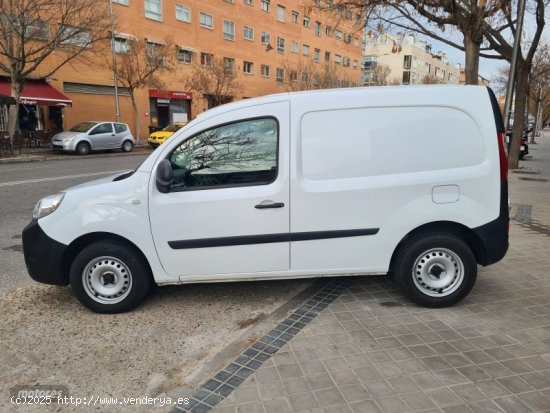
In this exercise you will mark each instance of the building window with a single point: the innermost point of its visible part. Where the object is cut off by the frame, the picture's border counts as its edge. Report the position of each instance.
(328, 31)
(184, 56)
(122, 44)
(153, 9)
(305, 50)
(346, 61)
(338, 34)
(248, 33)
(265, 70)
(124, 2)
(206, 59)
(248, 2)
(327, 56)
(280, 78)
(280, 45)
(228, 30)
(306, 22)
(406, 77)
(356, 42)
(337, 59)
(317, 28)
(294, 48)
(316, 55)
(155, 51)
(355, 64)
(75, 36)
(206, 20)
(229, 66)
(281, 13)
(407, 61)
(294, 17)
(266, 38)
(248, 67)
(264, 5)
(305, 77)
(183, 13)
(293, 76)
(38, 29)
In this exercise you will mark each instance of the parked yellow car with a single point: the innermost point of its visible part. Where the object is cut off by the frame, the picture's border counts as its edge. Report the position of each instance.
(158, 137)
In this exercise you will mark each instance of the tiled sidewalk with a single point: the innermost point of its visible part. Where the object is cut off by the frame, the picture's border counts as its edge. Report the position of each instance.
(371, 350)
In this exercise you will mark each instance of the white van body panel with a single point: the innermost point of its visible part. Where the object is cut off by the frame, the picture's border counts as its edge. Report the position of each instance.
(385, 176)
(107, 206)
(344, 163)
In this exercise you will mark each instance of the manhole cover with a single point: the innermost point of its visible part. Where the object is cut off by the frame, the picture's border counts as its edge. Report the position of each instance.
(525, 178)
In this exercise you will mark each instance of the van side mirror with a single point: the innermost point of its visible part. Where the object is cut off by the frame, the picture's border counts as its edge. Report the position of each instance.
(164, 176)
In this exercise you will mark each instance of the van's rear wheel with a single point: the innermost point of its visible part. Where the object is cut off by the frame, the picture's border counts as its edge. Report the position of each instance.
(435, 269)
(110, 277)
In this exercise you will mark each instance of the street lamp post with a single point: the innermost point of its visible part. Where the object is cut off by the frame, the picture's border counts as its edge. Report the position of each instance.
(115, 74)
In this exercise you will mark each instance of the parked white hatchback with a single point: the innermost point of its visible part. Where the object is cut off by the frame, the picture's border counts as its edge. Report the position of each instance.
(357, 181)
(91, 136)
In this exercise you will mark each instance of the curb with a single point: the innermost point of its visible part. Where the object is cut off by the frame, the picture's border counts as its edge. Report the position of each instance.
(53, 157)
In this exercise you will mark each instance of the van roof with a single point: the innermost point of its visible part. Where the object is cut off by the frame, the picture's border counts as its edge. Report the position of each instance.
(426, 91)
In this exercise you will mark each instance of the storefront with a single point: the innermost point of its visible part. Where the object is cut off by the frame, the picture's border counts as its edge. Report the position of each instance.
(168, 107)
(41, 106)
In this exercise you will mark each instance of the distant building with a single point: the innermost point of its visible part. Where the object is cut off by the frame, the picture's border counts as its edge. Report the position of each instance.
(410, 61)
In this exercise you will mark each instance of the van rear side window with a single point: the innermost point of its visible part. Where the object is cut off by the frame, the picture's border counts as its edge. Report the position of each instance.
(364, 142)
(238, 154)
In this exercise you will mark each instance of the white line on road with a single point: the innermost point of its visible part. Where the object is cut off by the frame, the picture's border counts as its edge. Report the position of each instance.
(58, 178)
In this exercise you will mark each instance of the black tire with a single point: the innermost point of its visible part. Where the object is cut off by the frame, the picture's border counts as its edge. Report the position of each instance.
(83, 148)
(117, 277)
(431, 260)
(127, 146)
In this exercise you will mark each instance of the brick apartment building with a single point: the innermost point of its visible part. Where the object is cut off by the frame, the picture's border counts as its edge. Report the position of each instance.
(262, 36)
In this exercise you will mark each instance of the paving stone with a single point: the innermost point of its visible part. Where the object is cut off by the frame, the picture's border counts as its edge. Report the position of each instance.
(443, 397)
(355, 393)
(367, 406)
(303, 401)
(392, 405)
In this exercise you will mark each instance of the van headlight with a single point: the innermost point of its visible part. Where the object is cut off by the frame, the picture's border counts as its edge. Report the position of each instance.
(47, 205)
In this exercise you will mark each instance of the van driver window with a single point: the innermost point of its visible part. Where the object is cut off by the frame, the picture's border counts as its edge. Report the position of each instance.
(237, 154)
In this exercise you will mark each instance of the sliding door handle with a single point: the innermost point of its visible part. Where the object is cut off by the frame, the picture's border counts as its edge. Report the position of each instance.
(269, 204)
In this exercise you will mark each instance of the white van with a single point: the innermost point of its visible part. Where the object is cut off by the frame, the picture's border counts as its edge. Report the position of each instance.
(359, 181)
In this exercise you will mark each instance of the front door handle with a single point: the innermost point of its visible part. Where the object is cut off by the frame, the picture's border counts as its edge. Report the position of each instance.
(270, 205)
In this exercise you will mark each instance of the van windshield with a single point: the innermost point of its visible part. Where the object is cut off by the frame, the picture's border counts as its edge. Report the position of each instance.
(83, 127)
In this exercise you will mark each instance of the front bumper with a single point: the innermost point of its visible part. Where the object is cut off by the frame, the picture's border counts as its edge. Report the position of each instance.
(43, 256)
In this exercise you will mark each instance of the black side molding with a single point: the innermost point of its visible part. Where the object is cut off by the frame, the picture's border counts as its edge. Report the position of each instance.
(269, 238)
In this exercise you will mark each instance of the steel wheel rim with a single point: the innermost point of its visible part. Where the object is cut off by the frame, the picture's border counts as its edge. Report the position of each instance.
(438, 272)
(107, 280)
(127, 146)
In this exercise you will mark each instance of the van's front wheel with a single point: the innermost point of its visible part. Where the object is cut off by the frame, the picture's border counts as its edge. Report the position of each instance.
(109, 277)
(435, 269)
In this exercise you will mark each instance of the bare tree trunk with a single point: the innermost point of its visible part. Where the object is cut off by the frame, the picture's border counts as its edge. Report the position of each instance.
(471, 69)
(522, 76)
(137, 124)
(13, 114)
(537, 110)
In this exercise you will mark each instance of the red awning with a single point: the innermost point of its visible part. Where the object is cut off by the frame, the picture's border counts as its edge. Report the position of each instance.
(37, 92)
